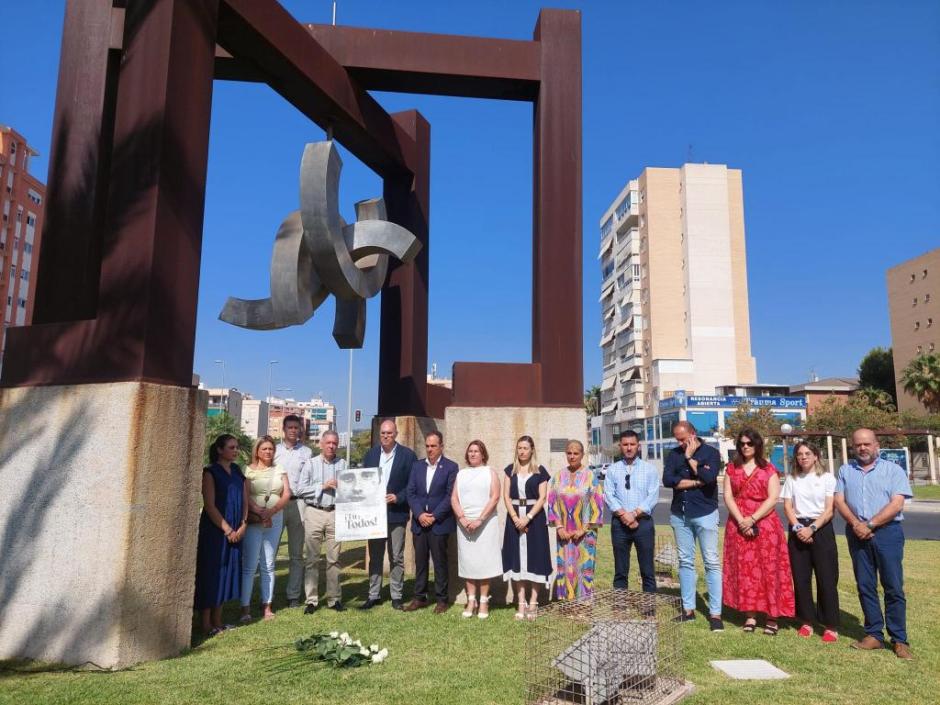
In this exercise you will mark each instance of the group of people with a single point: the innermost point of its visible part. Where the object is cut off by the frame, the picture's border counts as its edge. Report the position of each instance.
(766, 570)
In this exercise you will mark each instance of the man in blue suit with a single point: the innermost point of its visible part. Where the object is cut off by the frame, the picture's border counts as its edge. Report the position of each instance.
(432, 520)
(394, 462)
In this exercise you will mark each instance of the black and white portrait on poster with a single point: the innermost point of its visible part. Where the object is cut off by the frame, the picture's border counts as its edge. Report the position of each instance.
(360, 505)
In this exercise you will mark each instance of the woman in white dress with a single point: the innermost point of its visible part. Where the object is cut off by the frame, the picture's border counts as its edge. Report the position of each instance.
(474, 499)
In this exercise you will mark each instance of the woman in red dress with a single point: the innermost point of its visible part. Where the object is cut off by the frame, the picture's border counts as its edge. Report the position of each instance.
(756, 576)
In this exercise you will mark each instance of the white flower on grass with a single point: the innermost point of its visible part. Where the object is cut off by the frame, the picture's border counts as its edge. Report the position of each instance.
(333, 635)
(357, 643)
(379, 657)
(374, 648)
(344, 638)
(364, 652)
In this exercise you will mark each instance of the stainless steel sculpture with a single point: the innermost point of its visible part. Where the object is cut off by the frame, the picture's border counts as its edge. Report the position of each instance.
(317, 254)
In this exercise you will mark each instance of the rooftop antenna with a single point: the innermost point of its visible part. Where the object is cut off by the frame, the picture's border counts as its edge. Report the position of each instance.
(690, 158)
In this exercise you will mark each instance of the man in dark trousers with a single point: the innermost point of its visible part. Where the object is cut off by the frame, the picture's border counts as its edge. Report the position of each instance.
(432, 520)
(394, 462)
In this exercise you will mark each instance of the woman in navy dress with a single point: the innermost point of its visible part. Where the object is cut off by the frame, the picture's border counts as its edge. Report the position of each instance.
(221, 529)
(526, 555)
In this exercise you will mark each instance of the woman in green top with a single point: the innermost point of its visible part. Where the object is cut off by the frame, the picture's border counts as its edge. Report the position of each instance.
(268, 494)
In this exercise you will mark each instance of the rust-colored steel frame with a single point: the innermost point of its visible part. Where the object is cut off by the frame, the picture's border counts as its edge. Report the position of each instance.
(119, 267)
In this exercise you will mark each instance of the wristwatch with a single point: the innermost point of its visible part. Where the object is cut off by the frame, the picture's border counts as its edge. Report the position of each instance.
(796, 527)
(871, 527)
(813, 528)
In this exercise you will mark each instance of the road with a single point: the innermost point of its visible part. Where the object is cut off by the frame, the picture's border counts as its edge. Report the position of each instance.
(921, 519)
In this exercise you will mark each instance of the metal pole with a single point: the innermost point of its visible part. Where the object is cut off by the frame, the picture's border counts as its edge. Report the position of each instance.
(931, 459)
(271, 364)
(334, 13)
(349, 409)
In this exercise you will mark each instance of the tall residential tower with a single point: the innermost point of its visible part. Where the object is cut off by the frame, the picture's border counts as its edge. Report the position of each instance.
(674, 299)
(23, 196)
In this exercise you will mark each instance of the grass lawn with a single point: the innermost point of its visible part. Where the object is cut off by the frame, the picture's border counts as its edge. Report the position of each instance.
(445, 659)
(926, 492)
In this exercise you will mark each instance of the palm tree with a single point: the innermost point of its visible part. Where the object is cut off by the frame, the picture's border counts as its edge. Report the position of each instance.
(592, 401)
(921, 379)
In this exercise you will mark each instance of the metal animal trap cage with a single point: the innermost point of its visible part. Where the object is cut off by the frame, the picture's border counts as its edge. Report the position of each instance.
(666, 562)
(616, 647)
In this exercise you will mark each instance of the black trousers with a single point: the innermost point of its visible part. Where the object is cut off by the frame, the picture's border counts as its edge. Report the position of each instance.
(821, 557)
(644, 538)
(429, 546)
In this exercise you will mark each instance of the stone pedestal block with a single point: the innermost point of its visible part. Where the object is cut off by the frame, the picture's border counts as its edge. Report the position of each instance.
(99, 524)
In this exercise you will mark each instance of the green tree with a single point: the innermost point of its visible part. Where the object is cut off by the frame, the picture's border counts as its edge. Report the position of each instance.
(592, 401)
(361, 442)
(878, 398)
(842, 417)
(761, 419)
(876, 370)
(226, 423)
(921, 379)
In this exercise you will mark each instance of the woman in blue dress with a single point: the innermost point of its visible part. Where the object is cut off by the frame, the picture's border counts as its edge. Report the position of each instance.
(527, 558)
(221, 528)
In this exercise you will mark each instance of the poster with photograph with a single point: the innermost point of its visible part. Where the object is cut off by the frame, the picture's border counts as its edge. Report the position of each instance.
(360, 505)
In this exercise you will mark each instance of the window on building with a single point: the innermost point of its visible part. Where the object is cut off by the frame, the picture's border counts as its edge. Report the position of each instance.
(923, 274)
(929, 322)
(24, 275)
(915, 301)
(916, 325)
(705, 422)
(930, 347)
(926, 298)
(22, 303)
(913, 277)
(920, 349)
(31, 220)
(27, 249)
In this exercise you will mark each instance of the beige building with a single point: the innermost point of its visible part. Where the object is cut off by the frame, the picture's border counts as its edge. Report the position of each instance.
(674, 299)
(254, 419)
(913, 289)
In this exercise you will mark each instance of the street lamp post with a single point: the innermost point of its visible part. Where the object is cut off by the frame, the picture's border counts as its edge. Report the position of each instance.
(223, 394)
(786, 429)
(271, 364)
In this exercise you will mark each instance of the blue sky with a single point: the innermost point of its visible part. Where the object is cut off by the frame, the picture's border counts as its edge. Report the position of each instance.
(831, 109)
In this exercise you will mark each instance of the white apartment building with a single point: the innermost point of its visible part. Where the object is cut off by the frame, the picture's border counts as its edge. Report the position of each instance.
(674, 301)
(254, 417)
(320, 416)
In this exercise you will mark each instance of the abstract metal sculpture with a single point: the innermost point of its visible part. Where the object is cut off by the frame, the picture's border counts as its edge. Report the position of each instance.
(317, 254)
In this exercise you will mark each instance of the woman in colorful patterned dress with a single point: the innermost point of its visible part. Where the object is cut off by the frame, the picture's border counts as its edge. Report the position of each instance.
(574, 509)
(756, 575)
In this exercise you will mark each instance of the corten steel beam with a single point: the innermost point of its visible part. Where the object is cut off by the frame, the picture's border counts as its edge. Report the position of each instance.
(439, 64)
(556, 211)
(81, 138)
(150, 251)
(403, 345)
(263, 36)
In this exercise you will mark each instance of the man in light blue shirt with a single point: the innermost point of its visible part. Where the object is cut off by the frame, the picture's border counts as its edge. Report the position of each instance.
(290, 454)
(631, 490)
(316, 487)
(870, 494)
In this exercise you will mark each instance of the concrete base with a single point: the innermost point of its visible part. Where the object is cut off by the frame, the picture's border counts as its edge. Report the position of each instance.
(98, 527)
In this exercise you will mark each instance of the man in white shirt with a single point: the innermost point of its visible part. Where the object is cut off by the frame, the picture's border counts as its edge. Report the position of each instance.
(290, 454)
(317, 488)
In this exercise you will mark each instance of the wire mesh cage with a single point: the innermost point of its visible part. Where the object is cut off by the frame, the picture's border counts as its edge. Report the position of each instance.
(615, 647)
(666, 562)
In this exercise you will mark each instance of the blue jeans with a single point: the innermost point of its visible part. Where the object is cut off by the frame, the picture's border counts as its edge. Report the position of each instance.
(704, 530)
(644, 538)
(260, 545)
(881, 556)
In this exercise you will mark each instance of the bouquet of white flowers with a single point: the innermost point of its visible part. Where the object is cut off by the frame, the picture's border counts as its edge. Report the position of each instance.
(340, 650)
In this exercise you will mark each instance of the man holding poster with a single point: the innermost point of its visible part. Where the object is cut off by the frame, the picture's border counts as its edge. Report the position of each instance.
(360, 505)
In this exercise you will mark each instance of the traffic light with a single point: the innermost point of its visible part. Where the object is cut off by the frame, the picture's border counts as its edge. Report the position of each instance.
(358, 415)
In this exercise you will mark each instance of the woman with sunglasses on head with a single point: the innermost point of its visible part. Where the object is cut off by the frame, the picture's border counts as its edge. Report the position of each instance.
(808, 503)
(756, 572)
